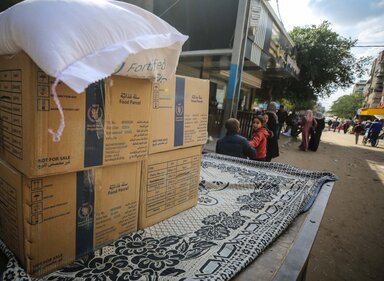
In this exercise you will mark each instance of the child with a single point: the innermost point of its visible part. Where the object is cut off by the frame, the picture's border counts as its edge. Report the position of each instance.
(259, 138)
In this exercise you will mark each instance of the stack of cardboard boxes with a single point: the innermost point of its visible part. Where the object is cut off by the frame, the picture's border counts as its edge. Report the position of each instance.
(129, 157)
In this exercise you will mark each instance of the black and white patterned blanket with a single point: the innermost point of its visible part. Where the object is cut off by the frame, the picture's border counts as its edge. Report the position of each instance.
(243, 206)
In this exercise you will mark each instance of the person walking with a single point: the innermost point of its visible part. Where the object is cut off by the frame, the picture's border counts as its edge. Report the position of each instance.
(315, 133)
(307, 123)
(357, 129)
(346, 126)
(335, 124)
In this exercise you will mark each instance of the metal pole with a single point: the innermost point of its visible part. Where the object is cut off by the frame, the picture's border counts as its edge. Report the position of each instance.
(237, 62)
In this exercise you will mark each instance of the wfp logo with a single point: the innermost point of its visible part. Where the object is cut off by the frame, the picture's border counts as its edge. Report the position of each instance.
(179, 110)
(95, 113)
(85, 211)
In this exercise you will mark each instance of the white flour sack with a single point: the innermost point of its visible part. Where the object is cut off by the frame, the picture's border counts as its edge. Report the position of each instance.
(82, 41)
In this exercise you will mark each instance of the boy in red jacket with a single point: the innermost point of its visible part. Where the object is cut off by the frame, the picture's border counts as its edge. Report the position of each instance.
(259, 138)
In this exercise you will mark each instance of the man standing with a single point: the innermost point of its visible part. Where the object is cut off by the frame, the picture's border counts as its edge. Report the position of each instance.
(357, 129)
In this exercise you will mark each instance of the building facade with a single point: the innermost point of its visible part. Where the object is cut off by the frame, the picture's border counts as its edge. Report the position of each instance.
(239, 45)
(359, 87)
(374, 92)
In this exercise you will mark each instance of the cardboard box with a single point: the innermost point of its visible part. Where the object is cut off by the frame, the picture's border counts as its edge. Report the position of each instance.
(169, 184)
(49, 222)
(106, 125)
(179, 114)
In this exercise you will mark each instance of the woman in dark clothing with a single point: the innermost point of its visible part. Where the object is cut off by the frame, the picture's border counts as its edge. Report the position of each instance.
(272, 125)
(316, 132)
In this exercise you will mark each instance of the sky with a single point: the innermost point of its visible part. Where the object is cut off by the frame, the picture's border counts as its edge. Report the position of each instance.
(356, 19)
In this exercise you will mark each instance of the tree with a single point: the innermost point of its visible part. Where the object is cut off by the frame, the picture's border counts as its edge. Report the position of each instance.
(325, 61)
(326, 64)
(346, 106)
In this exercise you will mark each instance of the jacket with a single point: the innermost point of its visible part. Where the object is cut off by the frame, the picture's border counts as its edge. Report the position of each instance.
(376, 127)
(259, 142)
(235, 145)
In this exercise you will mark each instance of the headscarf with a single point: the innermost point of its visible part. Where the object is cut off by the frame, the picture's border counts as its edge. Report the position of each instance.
(308, 115)
(272, 106)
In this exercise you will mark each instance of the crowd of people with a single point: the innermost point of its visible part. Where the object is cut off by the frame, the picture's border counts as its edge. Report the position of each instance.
(267, 126)
(370, 129)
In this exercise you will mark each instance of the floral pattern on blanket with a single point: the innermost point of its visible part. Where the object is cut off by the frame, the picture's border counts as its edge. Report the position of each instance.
(243, 206)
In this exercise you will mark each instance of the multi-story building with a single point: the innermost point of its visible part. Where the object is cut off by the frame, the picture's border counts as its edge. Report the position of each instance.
(359, 87)
(373, 91)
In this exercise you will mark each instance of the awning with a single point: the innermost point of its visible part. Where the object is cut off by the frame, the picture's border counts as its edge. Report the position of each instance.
(371, 111)
(376, 112)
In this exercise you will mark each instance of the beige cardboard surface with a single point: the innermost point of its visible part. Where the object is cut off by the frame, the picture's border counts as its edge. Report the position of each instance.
(11, 223)
(169, 184)
(62, 217)
(106, 125)
(179, 114)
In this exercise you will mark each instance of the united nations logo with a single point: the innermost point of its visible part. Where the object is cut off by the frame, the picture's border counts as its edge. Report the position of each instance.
(95, 113)
(179, 110)
(85, 211)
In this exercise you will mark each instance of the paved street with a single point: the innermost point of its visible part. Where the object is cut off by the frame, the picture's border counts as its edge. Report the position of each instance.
(349, 245)
(350, 242)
